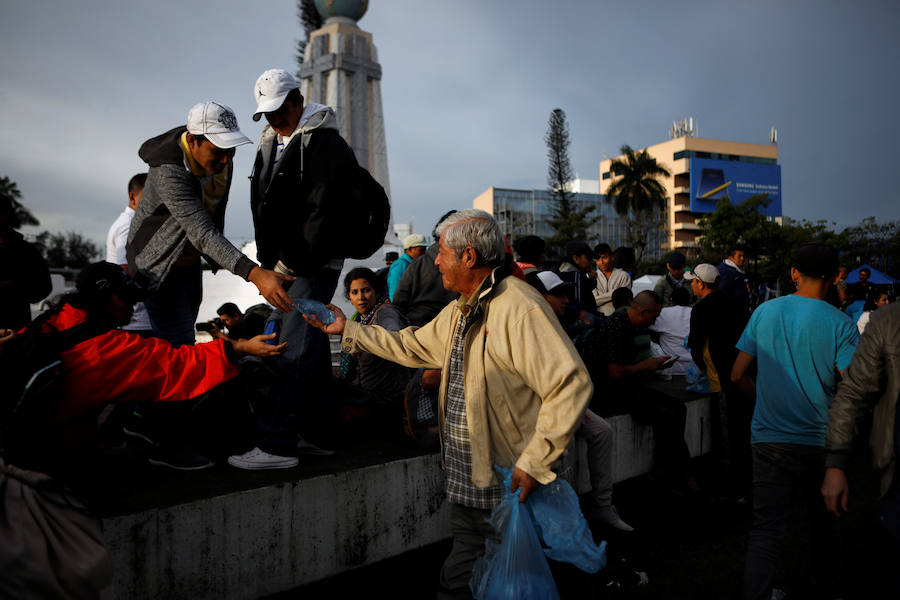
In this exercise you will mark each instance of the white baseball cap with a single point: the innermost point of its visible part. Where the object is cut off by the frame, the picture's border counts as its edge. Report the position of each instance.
(217, 123)
(414, 240)
(271, 89)
(705, 272)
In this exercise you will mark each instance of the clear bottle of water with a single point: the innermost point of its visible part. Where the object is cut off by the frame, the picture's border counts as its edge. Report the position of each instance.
(310, 307)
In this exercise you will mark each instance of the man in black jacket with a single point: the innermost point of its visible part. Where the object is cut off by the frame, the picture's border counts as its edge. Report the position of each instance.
(303, 170)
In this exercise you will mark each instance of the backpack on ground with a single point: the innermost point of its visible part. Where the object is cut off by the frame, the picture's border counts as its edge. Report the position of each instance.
(32, 373)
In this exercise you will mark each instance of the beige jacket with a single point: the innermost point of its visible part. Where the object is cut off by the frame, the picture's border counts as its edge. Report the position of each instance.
(526, 386)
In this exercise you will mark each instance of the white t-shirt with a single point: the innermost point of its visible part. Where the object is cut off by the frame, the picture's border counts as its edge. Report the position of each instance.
(115, 253)
(673, 325)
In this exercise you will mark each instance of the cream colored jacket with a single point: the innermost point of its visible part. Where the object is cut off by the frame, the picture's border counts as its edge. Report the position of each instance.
(526, 387)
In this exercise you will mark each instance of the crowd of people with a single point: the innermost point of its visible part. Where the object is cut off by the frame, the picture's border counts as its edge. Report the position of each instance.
(485, 351)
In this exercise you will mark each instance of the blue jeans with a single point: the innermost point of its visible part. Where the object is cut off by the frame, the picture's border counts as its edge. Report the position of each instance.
(779, 470)
(173, 309)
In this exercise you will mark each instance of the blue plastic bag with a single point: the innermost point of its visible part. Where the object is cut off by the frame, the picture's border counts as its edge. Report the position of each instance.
(696, 379)
(511, 568)
(516, 568)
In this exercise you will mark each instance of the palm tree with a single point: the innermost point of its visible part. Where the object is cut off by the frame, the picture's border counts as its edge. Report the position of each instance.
(636, 187)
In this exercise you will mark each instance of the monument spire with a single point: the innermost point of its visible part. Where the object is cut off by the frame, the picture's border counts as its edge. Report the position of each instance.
(340, 69)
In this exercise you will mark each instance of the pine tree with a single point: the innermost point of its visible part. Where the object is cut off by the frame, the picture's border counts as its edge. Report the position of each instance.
(569, 221)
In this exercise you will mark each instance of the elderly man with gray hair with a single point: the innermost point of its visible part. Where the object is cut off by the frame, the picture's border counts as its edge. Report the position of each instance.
(501, 401)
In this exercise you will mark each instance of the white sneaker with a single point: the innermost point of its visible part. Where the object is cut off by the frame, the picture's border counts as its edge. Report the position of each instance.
(256, 459)
(305, 447)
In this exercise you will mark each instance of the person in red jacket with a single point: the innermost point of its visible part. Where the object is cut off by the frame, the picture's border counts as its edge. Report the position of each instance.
(118, 366)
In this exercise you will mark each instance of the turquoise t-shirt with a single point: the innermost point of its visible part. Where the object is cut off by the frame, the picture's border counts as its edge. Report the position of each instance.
(797, 343)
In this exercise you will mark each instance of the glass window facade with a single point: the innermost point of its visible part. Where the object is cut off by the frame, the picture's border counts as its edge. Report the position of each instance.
(528, 212)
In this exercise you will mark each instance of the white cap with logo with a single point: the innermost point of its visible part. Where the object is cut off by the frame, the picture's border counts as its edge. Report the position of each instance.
(271, 89)
(217, 123)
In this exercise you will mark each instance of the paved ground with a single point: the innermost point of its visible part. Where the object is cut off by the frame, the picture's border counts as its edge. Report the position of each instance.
(688, 546)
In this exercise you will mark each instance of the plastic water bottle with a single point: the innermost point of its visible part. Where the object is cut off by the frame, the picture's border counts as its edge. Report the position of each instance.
(273, 325)
(306, 306)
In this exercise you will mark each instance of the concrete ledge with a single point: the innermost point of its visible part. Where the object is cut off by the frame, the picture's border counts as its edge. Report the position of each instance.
(250, 543)
(262, 541)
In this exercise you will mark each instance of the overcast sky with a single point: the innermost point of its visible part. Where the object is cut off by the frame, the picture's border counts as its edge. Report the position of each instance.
(467, 86)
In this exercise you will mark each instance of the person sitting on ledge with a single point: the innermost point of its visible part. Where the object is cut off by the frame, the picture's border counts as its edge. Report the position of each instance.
(112, 365)
(374, 379)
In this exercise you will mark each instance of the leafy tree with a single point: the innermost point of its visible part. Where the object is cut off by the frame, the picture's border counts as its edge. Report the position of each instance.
(310, 20)
(21, 215)
(569, 221)
(875, 243)
(66, 250)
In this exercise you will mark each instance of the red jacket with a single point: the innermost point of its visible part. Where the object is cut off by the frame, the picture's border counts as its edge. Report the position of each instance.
(119, 366)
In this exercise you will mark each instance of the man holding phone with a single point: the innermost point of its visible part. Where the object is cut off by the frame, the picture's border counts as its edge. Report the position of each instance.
(610, 353)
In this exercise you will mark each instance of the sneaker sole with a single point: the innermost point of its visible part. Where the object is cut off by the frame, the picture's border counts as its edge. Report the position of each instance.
(160, 463)
(137, 435)
(261, 466)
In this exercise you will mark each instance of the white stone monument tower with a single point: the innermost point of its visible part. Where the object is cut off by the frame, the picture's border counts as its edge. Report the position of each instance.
(340, 69)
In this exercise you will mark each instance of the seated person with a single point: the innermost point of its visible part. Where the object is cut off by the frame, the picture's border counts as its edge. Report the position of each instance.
(672, 327)
(610, 354)
(596, 431)
(113, 365)
(383, 381)
(241, 326)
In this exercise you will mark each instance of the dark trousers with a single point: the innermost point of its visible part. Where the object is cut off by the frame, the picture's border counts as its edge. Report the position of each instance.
(779, 471)
(470, 529)
(302, 338)
(173, 308)
(173, 311)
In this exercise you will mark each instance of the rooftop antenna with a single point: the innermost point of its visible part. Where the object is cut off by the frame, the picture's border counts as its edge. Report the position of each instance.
(682, 128)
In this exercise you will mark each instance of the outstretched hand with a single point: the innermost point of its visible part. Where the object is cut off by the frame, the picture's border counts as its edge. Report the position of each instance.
(257, 346)
(336, 328)
(270, 285)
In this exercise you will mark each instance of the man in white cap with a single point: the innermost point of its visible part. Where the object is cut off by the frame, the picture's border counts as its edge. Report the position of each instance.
(180, 218)
(414, 246)
(303, 167)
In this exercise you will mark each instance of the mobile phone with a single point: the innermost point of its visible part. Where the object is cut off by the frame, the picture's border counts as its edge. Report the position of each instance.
(669, 362)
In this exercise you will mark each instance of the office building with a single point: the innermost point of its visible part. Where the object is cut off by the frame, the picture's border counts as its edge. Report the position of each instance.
(702, 172)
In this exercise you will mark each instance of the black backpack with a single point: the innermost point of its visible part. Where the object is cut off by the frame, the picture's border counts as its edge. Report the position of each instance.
(364, 218)
(32, 372)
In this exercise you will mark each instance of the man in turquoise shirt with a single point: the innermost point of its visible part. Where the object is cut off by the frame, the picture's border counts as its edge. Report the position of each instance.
(413, 247)
(799, 343)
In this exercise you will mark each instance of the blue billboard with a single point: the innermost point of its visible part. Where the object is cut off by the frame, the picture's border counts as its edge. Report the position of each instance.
(712, 180)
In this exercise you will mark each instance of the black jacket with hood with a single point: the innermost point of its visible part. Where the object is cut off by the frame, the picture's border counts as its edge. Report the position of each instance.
(297, 209)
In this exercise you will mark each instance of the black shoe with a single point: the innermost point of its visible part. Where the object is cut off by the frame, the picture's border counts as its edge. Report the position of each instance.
(176, 455)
